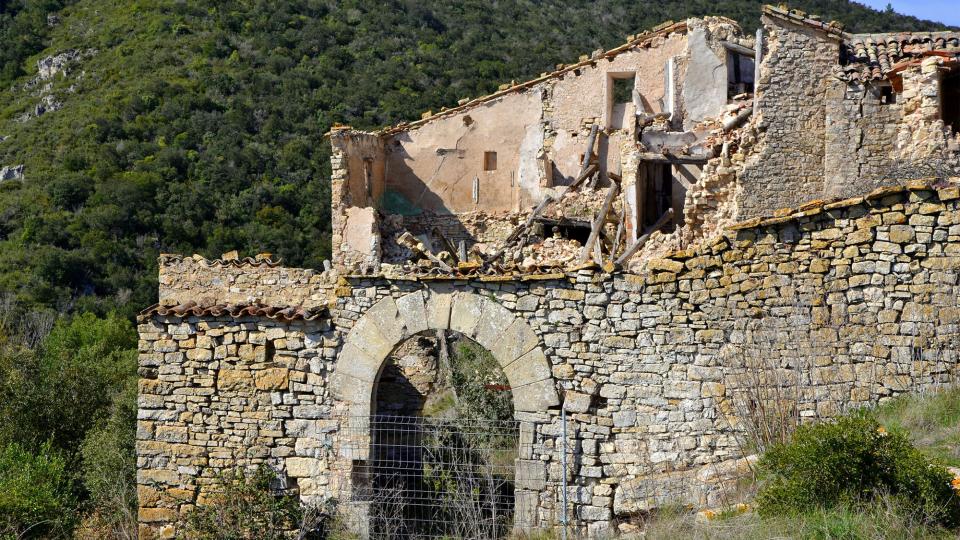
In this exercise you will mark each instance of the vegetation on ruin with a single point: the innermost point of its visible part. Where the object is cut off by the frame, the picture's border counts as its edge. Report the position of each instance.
(870, 474)
(197, 127)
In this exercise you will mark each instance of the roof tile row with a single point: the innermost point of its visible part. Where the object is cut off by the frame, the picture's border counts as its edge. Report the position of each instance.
(192, 309)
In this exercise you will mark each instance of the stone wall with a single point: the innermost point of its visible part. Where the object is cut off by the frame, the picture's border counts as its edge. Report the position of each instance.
(787, 167)
(240, 282)
(218, 393)
(861, 138)
(847, 303)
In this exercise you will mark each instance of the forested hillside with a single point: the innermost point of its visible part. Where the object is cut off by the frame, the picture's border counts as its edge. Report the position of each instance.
(197, 126)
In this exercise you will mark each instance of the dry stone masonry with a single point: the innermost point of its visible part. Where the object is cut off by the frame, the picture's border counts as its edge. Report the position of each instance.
(651, 340)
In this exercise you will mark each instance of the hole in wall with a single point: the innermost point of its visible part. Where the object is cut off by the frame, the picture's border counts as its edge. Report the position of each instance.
(489, 161)
(950, 100)
(740, 70)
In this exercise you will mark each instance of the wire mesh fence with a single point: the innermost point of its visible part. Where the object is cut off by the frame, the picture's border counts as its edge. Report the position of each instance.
(425, 478)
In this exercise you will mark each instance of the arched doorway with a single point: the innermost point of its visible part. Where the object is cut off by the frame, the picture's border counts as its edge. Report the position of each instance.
(444, 442)
(364, 358)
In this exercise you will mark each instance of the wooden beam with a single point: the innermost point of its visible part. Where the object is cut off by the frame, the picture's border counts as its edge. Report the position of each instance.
(583, 176)
(588, 153)
(739, 49)
(653, 157)
(667, 216)
(519, 230)
(599, 222)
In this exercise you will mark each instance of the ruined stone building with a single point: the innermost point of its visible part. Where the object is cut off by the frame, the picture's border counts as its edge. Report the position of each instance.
(641, 240)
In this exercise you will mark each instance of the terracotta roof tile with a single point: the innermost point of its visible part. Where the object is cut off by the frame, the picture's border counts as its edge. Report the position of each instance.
(192, 309)
(872, 56)
(246, 262)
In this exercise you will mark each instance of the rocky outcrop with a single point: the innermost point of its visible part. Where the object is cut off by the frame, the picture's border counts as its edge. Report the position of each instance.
(11, 172)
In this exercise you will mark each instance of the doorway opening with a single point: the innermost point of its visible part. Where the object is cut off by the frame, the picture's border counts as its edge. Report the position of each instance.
(444, 443)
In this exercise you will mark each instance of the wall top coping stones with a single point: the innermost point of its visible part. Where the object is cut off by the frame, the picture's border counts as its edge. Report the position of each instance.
(946, 190)
(832, 28)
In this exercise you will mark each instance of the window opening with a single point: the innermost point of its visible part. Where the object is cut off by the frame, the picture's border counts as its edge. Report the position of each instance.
(489, 161)
(950, 100)
(739, 74)
(621, 87)
(623, 90)
(658, 195)
(887, 95)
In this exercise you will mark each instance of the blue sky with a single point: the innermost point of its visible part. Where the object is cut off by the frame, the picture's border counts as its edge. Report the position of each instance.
(945, 11)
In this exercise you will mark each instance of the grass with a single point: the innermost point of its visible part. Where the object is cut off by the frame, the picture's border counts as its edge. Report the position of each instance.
(932, 420)
(883, 518)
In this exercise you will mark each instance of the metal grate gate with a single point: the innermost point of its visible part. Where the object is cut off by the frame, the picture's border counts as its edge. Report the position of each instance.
(426, 478)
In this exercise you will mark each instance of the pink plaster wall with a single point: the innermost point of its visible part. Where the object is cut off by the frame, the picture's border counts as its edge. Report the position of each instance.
(443, 181)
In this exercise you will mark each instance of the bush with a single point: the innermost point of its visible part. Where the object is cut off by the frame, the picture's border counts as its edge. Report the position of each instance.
(110, 468)
(850, 460)
(247, 507)
(35, 493)
(60, 390)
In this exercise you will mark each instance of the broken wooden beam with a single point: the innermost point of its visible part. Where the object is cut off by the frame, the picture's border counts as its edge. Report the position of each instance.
(666, 217)
(447, 245)
(740, 118)
(583, 176)
(673, 159)
(599, 222)
(739, 49)
(588, 153)
(519, 230)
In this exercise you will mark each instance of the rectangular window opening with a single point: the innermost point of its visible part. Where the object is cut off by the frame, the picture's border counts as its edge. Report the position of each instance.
(489, 161)
(950, 100)
(887, 95)
(623, 90)
(620, 87)
(740, 72)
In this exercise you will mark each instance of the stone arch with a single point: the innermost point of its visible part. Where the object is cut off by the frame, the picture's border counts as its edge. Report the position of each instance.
(390, 321)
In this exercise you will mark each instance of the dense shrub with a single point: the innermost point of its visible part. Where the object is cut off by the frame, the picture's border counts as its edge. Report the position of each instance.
(849, 460)
(247, 507)
(109, 468)
(59, 390)
(35, 493)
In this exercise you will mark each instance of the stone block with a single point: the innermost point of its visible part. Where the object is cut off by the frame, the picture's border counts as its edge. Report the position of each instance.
(234, 380)
(493, 324)
(531, 474)
(303, 467)
(385, 316)
(576, 402)
(271, 379)
(518, 339)
(465, 312)
(529, 368)
(412, 309)
(357, 363)
(157, 515)
(536, 397)
(437, 307)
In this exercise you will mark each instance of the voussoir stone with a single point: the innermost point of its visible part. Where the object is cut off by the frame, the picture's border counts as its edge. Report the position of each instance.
(465, 313)
(412, 309)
